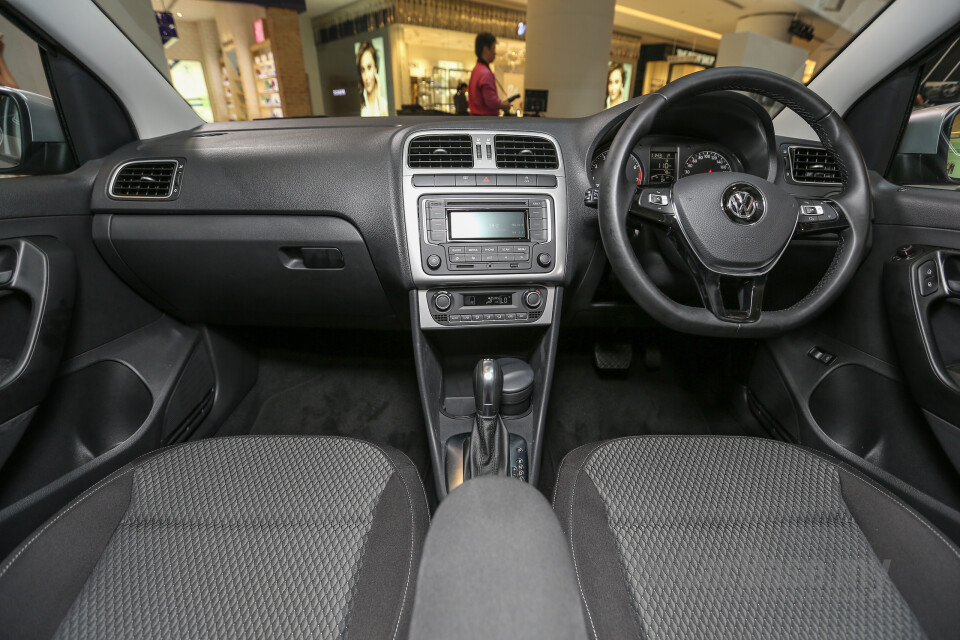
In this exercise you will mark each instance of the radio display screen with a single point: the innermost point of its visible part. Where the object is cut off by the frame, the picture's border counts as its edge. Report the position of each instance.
(488, 225)
(487, 299)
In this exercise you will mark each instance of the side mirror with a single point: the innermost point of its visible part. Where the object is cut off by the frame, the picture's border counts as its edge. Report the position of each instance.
(31, 139)
(929, 152)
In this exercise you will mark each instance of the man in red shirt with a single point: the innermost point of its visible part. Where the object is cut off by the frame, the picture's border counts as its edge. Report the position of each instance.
(484, 100)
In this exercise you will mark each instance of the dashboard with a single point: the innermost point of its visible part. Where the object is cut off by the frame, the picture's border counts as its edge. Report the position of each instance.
(329, 223)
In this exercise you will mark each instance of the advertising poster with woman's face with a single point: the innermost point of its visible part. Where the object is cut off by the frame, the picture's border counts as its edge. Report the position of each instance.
(371, 69)
(618, 83)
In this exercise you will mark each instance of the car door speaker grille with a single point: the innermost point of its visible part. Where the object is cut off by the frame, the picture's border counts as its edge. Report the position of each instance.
(145, 179)
(440, 152)
(525, 152)
(814, 165)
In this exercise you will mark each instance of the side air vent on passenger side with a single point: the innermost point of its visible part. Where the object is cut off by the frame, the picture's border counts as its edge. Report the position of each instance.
(440, 152)
(146, 179)
(525, 152)
(814, 165)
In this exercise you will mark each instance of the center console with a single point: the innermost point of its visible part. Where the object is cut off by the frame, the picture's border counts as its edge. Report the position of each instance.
(485, 220)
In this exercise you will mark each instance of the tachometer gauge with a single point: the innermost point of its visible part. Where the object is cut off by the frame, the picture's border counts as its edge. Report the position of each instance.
(705, 162)
(633, 171)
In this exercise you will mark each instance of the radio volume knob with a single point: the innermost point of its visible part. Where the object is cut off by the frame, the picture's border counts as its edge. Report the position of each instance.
(443, 301)
(434, 261)
(533, 299)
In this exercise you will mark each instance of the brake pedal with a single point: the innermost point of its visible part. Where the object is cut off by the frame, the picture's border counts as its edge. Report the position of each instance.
(613, 356)
(652, 358)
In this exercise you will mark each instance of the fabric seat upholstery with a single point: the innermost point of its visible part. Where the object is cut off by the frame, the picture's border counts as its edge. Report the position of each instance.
(722, 537)
(281, 537)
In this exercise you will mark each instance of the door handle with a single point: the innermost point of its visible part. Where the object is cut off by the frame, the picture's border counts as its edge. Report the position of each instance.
(41, 273)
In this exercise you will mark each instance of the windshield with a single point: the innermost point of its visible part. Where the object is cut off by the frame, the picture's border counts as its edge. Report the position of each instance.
(293, 58)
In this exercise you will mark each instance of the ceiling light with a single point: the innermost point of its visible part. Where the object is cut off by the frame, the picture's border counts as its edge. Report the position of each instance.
(667, 22)
(179, 15)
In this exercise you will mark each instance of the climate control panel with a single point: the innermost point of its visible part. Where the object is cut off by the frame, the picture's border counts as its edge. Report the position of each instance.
(487, 307)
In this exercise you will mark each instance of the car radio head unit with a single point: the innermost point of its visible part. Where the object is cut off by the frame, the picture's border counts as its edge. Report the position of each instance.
(480, 234)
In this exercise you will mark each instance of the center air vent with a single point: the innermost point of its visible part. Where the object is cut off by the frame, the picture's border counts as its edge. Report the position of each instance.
(814, 165)
(145, 179)
(440, 152)
(525, 152)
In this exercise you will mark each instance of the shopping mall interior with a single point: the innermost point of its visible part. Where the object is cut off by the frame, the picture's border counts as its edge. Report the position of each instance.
(288, 58)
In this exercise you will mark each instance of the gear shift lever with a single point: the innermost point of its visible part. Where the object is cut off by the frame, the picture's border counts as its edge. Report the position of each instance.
(489, 441)
(487, 387)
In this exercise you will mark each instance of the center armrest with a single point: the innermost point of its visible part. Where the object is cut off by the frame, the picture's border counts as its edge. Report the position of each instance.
(496, 564)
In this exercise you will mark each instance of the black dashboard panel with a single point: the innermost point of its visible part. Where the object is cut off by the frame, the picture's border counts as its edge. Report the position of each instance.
(351, 169)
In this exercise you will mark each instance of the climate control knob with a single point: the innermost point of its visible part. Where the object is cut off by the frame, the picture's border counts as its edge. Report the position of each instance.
(533, 299)
(443, 301)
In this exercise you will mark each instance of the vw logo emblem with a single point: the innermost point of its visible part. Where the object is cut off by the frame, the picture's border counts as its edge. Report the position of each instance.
(743, 203)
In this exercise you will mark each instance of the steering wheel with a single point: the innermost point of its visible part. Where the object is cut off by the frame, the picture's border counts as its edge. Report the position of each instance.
(732, 228)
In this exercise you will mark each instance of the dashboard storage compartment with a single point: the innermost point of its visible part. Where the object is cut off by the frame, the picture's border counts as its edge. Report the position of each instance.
(304, 270)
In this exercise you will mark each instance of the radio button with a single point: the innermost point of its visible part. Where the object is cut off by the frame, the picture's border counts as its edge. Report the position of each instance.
(490, 257)
(458, 258)
(489, 248)
(522, 249)
(538, 203)
(455, 250)
(438, 225)
(471, 249)
(537, 212)
(471, 257)
(537, 224)
(438, 236)
(505, 248)
(538, 236)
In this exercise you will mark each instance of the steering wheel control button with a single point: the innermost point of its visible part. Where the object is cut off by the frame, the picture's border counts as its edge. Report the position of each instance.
(658, 199)
(533, 299)
(544, 260)
(817, 212)
(929, 278)
(743, 203)
(811, 210)
(443, 301)
(434, 261)
(821, 356)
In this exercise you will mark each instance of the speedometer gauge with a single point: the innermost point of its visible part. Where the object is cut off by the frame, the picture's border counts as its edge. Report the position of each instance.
(633, 170)
(705, 162)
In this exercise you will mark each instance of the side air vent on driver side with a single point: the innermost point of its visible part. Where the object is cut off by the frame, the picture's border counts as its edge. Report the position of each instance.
(145, 179)
(814, 165)
(525, 152)
(440, 152)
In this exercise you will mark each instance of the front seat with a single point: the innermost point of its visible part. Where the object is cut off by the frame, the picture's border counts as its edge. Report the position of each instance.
(723, 537)
(267, 537)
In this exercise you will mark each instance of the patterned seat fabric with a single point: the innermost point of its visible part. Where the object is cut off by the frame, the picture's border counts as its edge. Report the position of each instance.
(250, 537)
(709, 537)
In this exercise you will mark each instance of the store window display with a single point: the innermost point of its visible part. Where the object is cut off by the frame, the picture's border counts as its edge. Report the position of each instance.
(615, 85)
(373, 101)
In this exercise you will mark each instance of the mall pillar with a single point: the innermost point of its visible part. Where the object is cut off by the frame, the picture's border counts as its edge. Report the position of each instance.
(763, 42)
(283, 25)
(210, 50)
(568, 51)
